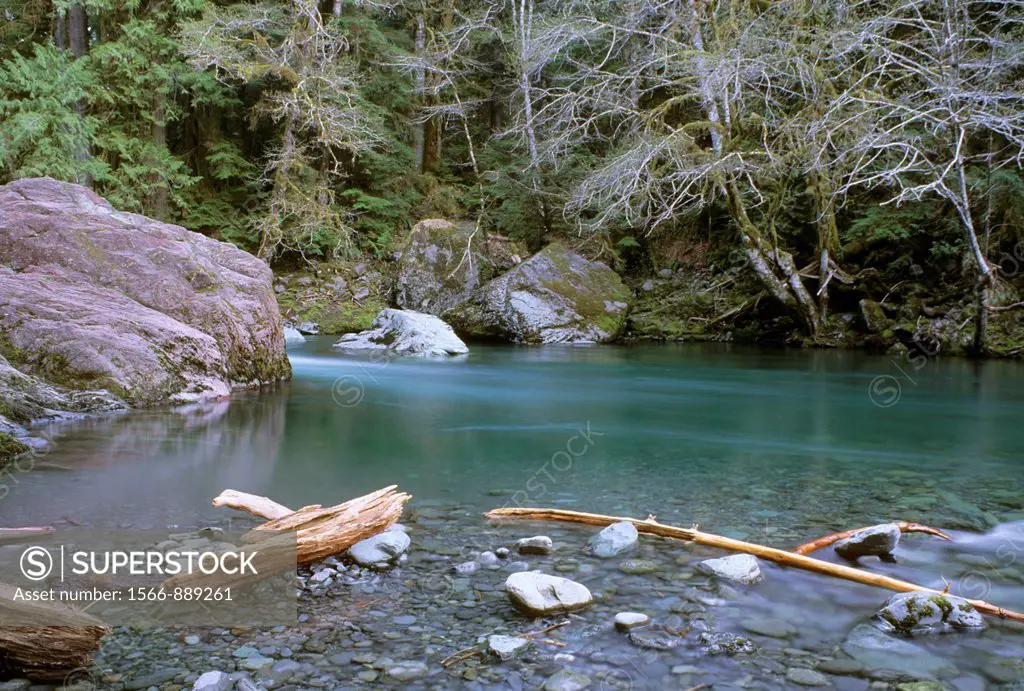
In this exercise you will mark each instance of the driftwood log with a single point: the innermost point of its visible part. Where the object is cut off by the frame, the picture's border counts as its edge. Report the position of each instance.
(45, 653)
(293, 538)
(778, 556)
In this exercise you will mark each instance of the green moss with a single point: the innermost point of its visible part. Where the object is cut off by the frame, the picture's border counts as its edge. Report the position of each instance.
(10, 448)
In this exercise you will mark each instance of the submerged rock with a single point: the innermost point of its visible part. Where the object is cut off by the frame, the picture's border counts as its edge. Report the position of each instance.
(406, 333)
(614, 540)
(654, 640)
(380, 551)
(507, 647)
(879, 541)
(738, 568)
(910, 613)
(555, 296)
(567, 679)
(93, 298)
(538, 594)
(879, 651)
(725, 644)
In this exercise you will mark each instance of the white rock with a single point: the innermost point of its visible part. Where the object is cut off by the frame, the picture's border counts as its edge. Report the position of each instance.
(624, 621)
(380, 550)
(614, 540)
(292, 336)
(213, 681)
(538, 594)
(539, 544)
(507, 647)
(406, 333)
(738, 568)
(322, 576)
(489, 560)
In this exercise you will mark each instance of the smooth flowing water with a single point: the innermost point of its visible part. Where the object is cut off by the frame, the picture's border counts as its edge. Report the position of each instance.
(775, 447)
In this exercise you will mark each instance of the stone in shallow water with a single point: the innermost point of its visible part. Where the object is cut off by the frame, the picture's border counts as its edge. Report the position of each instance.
(539, 544)
(489, 560)
(256, 662)
(738, 568)
(654, 640)
(538, 594)
(407, 671)
(567, 680)
(638, 567)
(769, 626)
(507, 647)
(614, 540)
(725, 644)
(466, 568)
(878, 651)
(624, 621)
(806, 677)
(213, 681)
(879, 541)
(380, 550)
(910, 613)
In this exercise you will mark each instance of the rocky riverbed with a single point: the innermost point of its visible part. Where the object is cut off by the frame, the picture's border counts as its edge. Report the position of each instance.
(365, 627)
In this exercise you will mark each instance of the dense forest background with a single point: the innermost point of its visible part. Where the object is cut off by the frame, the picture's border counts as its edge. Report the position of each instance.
(815, 147)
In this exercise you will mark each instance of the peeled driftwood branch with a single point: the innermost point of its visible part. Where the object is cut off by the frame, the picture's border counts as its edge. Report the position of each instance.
(778, 556)
(321, 532)
(261, 507)
(45, 653)
(905, 527)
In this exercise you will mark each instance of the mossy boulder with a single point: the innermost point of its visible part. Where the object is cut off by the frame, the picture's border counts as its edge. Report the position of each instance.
(439, 267)
(95, 298)
(10, 448)
(915, 613)
(555, 296)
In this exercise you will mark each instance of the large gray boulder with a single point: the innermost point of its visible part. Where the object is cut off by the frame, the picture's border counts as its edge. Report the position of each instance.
(910, 613)
(538, 594)
(438, 268)
(95, 298)
(405, 332)
(555, 296)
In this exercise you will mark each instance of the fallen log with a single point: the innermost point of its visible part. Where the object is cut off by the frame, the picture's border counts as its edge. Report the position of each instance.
(261, 507)
(64, 642)
(778, 556)
(319, 532)
(905, 527)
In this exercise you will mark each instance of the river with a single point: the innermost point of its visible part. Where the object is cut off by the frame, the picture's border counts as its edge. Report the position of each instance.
(775, 447)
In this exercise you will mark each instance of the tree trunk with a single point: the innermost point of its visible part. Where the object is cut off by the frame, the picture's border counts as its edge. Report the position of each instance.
(160, 191)
(60, 30)
(78, 42)
(432, 145)
(419, 128)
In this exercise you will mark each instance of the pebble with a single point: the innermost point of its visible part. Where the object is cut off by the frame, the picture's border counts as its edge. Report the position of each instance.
(213, 681)
(567, 680)
(806, 677)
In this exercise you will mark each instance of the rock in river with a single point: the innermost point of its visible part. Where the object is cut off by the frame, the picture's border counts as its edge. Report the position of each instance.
(507, 647)
(625, 621)
(879, 651)
(538, 594)
(213, 681)
(539, 544)
(879, 540)
(738, 568)
(555, 296)
(92, 298)
(613, 540)
(380, 551)
(909, 613)
(438, 268)
(406, 333)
